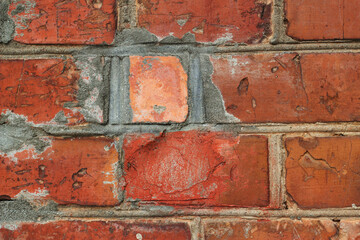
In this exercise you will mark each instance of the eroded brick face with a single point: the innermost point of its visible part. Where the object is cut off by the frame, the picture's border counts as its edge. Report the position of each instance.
(289, 88)
(322, 19)
(323, 172)
(38, 89)
(283, 229)
(158, 89)
(98, 230)
(63, 22)
(197, 168)
(70, 170)
(350, 229)
(210, 21)
(45, 91)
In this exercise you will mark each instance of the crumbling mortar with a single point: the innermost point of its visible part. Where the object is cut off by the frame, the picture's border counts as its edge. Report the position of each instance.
(279, 26)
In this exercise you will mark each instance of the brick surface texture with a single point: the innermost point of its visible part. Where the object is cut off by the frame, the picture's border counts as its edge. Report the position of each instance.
(98, 230)
(194, 168)
(158, 89)
(70, 170)
(63, 22)
(219, 20)
(309, 20)
(179, 119)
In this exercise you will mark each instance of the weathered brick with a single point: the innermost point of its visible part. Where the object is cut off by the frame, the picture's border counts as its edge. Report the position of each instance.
(289, 87)
(45, 91)
(63, 22)
(323, 172)
(215, 21)
(351, 28)
(282, 229)
(158, 89)
(197, 168)
(97, 230)
(322, 19)
(349, 229)
(69, 170)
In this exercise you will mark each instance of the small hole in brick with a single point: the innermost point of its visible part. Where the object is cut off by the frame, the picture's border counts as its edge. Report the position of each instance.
(5, 198)
(243, 86)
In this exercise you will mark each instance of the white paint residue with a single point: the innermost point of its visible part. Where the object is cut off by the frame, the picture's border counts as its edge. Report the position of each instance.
(227, 37)
(38, 193)
(9, 226)
(139, 236)
(114, 183)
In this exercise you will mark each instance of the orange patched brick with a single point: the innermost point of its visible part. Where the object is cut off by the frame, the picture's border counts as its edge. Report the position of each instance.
(158, 89)
(97, 230)
(214, 21)
(44, 91)
(322, 19)
(323, 172)
(282, 229)
(289, 87)
(63, 22)
(69, 170)
(197, 168)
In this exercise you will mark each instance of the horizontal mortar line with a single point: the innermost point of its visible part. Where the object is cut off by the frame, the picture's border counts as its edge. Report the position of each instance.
(174, 49)
(255, 213)
(240, 128)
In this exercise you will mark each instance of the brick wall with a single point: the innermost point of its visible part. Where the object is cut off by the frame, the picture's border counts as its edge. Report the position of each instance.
(179, 119)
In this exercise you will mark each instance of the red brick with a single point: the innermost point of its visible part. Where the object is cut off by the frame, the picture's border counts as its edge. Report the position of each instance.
(290, 87)
(233, 21)
(350, 229)
(63, 22)
(351, 19)
(39, 90)
(323, 172)
(158, 89)
(70, 170)
(282, 229)
(101, 230)
(322, 19)
(197, 168)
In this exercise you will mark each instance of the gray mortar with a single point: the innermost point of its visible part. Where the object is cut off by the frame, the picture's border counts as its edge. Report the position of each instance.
(125, 108)
(186, 39)
(134, 36)
(20, 210)
(120, 110)
(107, 77)
(93, 68)
(7, 25)
(279, 27)
(214, 107)
(142, 36)
(16, 134)
(195, 101)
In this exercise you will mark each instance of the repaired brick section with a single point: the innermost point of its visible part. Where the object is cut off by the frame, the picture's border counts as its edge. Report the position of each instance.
(98, 230)
(322, 19)
(70, 170)
(158, 89)
(289, 87)
(197, 168)
(46, 91)
(282, 229)
(323, 172)
(63, 22)
(215, 21)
